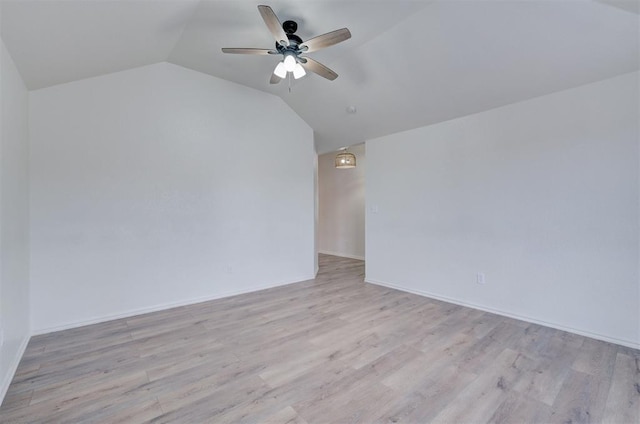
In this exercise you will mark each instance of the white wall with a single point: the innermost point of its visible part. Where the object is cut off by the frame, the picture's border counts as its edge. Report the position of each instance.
(542, 196)
(341, 206)
(14, 219)
(161, 186)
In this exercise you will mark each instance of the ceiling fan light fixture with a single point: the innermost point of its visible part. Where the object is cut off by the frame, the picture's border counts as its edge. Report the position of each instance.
(289, 62)
(345, 160)
(298, 71)
(280, 70)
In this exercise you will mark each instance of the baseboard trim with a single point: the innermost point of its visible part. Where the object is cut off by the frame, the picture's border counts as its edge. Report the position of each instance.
(13, 368)
(161, 307)
(341, 255)
(579, 332)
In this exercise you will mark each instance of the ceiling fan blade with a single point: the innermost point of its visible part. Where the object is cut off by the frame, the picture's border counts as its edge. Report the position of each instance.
(274, 79)
(274, 25)
(248, 51)
(326, 40)
(318, 68)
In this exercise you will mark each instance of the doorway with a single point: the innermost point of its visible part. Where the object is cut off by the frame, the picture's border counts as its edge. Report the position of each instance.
(341, 206)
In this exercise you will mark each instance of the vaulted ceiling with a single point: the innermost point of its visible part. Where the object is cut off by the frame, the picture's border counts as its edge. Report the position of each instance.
(408, 64)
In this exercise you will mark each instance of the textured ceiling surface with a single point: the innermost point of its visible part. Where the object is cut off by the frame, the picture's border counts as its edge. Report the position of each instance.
(408, 63)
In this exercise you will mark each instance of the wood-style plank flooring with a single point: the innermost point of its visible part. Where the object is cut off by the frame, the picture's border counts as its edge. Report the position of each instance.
(329, 350)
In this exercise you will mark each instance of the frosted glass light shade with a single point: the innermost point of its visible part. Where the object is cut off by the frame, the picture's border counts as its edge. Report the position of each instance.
(345, 160)
(280, 71)
(289, 62)
(298, 71)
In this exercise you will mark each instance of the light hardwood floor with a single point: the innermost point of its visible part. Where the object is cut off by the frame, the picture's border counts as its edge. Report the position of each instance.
(330, 350)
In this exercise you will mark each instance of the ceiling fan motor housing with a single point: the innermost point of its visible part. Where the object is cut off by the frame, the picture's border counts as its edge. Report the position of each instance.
(289, 28)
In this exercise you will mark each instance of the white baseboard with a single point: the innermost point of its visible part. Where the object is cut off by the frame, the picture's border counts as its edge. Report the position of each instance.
(342, 255)
(585, 333)
(161, 307)
(13, 368)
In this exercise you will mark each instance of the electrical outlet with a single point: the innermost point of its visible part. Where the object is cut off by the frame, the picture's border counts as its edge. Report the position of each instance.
(480, 278)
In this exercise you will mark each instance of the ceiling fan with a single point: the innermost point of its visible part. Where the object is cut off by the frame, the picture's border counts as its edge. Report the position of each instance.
(291, 47)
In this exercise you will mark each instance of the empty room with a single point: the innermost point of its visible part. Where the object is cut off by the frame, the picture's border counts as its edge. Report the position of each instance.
(301, 211)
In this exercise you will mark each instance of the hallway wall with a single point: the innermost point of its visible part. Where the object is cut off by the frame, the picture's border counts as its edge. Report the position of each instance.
(341, 206)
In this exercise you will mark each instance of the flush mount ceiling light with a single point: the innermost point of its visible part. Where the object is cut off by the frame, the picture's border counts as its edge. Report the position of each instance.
(345, 160)
(292, 48)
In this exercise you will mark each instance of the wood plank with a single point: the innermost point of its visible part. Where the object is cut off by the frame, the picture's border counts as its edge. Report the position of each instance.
(623, 401)
(581, 400)
(479, 400)
(287, 415)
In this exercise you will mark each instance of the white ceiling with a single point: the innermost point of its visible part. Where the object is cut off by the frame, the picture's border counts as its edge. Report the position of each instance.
(408, 64)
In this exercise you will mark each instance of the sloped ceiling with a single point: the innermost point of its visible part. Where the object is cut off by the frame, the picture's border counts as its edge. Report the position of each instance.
(408, 64)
